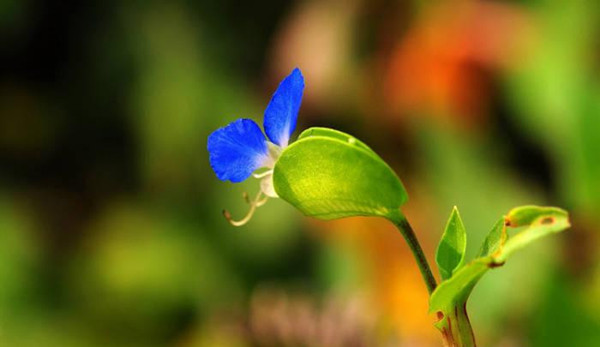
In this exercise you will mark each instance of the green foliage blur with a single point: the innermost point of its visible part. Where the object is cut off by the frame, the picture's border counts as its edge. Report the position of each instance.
(111, 226)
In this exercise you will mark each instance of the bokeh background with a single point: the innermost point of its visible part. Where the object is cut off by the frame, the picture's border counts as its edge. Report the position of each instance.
(111, 231)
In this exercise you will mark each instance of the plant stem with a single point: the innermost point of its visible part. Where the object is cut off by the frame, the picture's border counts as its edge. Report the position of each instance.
(455, 327)
(409, 235)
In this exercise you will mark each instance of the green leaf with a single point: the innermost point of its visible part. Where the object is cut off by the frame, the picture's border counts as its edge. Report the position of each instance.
(530, 223)
(528, 214)
(335, 134)
(494, 239)
(539, 222)
(328, 174)
(450, 254)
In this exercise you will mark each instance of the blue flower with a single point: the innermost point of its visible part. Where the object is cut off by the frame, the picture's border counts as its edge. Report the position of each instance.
(240, 148)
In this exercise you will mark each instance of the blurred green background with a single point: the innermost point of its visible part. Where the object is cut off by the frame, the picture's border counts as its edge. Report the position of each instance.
(111, 231)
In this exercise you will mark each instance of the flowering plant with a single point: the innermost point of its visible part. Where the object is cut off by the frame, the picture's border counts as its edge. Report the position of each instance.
(328, 174)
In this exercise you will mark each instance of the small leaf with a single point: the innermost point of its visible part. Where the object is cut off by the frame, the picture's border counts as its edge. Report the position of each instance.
(525, 215)
(540, 221)
(328, 174)
(450, 253)
(494, 239)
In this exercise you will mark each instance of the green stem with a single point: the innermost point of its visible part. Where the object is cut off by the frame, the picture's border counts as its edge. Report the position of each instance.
(465, 331)
(409, 235)
(456, 327)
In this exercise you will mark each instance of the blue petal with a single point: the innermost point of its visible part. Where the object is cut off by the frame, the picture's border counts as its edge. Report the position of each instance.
(282, 112)
(237, 150)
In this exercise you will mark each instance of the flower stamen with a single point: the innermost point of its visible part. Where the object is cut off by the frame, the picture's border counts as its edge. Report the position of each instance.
(259, 203)
(262, 174)
(246, 197)
(254, 204)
